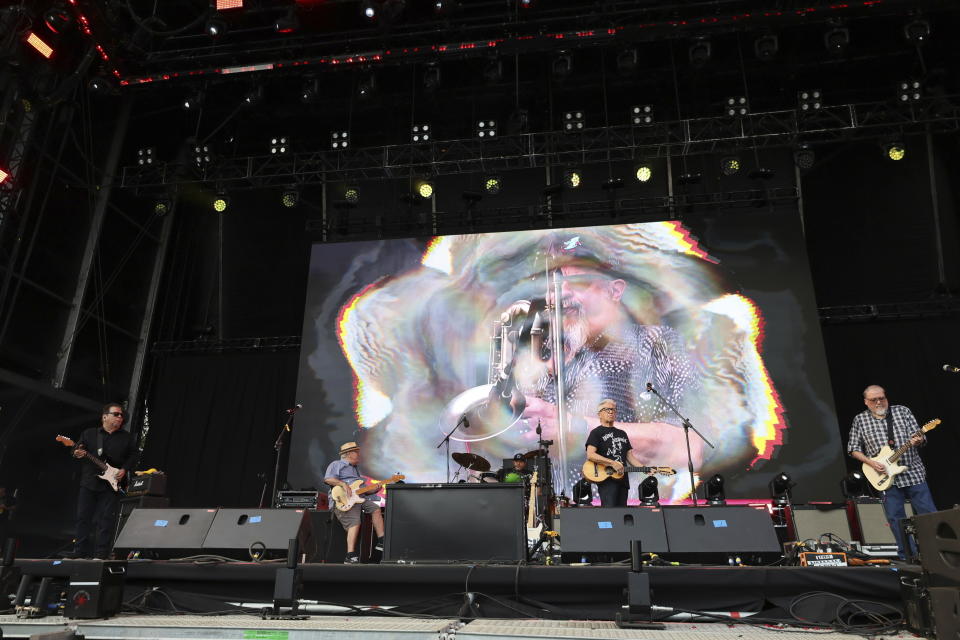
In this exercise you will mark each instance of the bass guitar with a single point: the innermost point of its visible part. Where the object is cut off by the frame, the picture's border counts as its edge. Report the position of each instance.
(533, 532)
(888, 458)
(598, 472)
(109, 474)
(343, 502)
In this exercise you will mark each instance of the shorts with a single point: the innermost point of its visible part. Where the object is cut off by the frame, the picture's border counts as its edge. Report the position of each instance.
(351, 517)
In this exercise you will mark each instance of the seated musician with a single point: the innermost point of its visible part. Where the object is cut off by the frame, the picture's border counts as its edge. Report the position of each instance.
(609, 445)
(519, 472)
(340, 473)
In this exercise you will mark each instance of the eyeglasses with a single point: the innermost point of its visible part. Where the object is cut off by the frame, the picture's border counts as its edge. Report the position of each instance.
(116, 414)
(880, 399)
(608, 409)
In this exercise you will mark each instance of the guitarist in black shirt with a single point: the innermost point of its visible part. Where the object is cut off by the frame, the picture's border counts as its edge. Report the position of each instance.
(609, 445)
(97, 502)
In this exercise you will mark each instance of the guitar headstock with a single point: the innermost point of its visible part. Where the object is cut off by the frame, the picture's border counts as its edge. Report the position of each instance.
(395, 477)
(666, 471)
(930, 425)
(65, 441)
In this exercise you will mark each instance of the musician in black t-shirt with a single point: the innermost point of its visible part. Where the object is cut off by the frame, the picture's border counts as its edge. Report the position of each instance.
(609, 445)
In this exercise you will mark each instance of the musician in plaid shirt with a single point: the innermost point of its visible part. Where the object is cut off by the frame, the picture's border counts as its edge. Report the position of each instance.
(869, 434)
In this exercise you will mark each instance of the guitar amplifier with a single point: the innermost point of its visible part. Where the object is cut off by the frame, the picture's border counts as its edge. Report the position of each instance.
(154, 484)
(301, 500)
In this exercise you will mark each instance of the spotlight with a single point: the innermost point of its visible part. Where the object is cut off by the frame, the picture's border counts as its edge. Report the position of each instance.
(39, 45)
(836, 40)
(766, 47)
(917, 31)
(627, 61)
(493, 71)
(146, 156)
(736, 107)
(804, 157)
(730, 165)
(368, 9)
(162, 207)
(643, 173)
(486, 128)
(220, 202)
(641, 114)
(445, 7)
(909, 91)
(367, 85)
(780, 487)
(420, 133)
(525, 4)
(699, 53)
(352, 194)
(809, 100)
(202, 155)
(562, 66)
(894, 150)
(649, 493)
(431, 77)
(4, 175)
(573, 121)
(287, 23)
(310, 91)
(492, 185)
(254, 96)
(424, 189)
(715, 492)
(338, 140)
(193, 101)
(216, 27)
(279, 145)
(854, 485)
(572, 178)
(58, 18)
(290, 197)
(101, 84)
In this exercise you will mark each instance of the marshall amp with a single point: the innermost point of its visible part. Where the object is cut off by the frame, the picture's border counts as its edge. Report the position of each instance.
(154, 484)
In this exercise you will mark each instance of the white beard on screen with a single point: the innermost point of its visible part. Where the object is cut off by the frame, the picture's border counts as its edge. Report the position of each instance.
(575, 330)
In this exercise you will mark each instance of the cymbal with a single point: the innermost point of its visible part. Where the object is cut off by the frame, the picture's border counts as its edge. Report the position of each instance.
(471, 461)
(533, 454)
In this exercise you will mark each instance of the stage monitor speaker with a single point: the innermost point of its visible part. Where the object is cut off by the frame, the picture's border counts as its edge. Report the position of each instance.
(243, 533)
(872, 522)
(945, 611)
(164, 533)
(455, 522)
(96, 589)
(810, 521)
(938, 540)
(743, 531)
(127, 505)
(586, 530)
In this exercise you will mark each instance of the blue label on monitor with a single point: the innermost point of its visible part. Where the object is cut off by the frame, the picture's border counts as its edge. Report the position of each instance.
(160, 523)
(254, 519)
(719, 523)
(605, 525)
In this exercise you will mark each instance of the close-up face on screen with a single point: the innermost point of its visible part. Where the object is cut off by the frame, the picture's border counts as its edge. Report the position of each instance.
(508, 340)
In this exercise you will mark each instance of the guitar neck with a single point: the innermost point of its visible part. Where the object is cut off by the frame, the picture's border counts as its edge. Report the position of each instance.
(906, 445)
(640, 469)
(100, 464)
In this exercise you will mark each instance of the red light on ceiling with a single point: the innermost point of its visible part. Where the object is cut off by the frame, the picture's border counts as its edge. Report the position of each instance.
(226, 5)
(34, 41)
(3, 176)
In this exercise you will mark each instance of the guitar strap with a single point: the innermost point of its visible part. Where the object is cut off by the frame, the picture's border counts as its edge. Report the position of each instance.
(890, 428)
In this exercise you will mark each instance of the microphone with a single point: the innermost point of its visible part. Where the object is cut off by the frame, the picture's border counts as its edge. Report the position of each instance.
(463, 421)
(296, 408)
(951, 369)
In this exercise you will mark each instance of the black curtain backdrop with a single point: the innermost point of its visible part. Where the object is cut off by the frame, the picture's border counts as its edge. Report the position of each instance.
(213, 422)
(905, 357)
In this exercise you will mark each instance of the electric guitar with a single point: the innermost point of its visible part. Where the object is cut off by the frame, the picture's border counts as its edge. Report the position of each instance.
(343, 502)
(598, 472)
(888, 458)
(533, 532)
(109, 474)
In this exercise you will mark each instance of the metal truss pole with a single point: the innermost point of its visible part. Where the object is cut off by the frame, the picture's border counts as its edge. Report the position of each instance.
(93, 238)
(10, 189)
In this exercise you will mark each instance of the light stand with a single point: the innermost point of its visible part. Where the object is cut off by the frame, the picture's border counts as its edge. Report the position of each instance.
(687, 426)
(446, 440)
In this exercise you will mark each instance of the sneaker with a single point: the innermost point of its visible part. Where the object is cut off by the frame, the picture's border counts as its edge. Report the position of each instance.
(379, 545)
(352, 558)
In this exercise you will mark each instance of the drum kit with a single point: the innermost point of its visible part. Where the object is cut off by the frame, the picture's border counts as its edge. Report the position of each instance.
(478, 468)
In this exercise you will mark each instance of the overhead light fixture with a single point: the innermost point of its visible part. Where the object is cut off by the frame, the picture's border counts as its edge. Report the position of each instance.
(780, 488)
(836, 40)
(809, 100)
(700, 52)
(766, 47)
(221, 201)
(290, 197)
(573, 121)
(339, 140)
(420, 133)
(641, 114)
(736, 107)
(643, 173)
(226, 5)
(39, 45)
(493, 71)
(310, 91)
(145, 156)
(431, 77)
(279, 145)
(4, 174)
(730, 165)
(102, 84)
(572, 178)
(804, 157)
(715, 492)
(486, 129)
(692, 177)
(445, 7)
(352, 194)
(424, 188)
(917, 31)
(162, 206)
(367, 85)
(492, 185)
(254, 96)
(58, 18)
(909, 91)
(627, 61)
(562, 66)
(193, 101)
(895, 150)
(368, 9)
(650, 492)
(216, 27)
(525, 4)
(202, 155)
(288, 22)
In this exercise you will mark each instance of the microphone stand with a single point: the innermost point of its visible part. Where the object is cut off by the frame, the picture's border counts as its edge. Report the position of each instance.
(278, 447)
(687, 426)
(446, 440)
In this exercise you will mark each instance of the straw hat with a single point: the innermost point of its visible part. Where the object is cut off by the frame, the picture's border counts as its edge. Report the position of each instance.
(348, 447)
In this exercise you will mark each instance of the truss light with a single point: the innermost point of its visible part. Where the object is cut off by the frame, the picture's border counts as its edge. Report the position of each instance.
(352, 194)
(287, 23)
(220, 202)
(836, 40)
(895, 150)
(226, 5)
(917, 31)
(525, 4)
(486, 129)
(700, 53)
(909, 91)
(146, 156)
(192, 102)
(730, 165)
(562, 66)
(425, 189)
(339, 140)
(736, 107)
(627, 61)
(493, 71)
(492, 185)
(202, 155)
(279, 145)
(310, 91)
(100, 84)
(643, 173)
(367, 85)
(4, 175)
(58, 18)
(804, 157)
(641, 114)
(254, 96)
(766, 47)
(573, 121)
(162, 207)
(572, 178)
(215, 27)
(39, 45)
(780, 488)
(290, 197)
(368, 9)
(431, 77)
(420, 133)
(809, 100)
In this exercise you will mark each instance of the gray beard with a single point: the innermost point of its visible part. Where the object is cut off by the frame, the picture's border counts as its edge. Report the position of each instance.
(880, 413)
(574, 333)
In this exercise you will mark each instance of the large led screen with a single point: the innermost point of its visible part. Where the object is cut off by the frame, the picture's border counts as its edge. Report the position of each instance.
(407, 340)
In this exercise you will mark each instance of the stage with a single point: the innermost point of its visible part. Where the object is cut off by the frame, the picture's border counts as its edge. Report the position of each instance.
(164, 598)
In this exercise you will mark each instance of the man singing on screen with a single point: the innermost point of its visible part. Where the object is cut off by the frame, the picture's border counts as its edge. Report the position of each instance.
(883, 424)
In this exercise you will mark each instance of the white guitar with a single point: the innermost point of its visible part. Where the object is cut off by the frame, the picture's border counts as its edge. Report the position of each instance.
(533, 532)
(109, 474)
(343, 502)
(888, 458)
